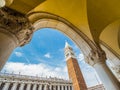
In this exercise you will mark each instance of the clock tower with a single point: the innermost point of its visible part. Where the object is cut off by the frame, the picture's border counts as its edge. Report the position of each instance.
(74, 71)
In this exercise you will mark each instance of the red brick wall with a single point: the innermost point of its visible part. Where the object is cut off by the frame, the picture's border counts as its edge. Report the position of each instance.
(75, 75)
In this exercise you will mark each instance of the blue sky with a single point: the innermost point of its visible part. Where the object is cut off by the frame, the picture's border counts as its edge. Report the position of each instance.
(46, 46)
(44, 56)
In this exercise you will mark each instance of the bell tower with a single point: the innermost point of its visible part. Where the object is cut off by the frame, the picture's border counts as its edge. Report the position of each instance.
(74, 71)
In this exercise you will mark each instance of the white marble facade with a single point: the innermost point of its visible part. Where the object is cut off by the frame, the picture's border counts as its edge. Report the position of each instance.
(22, 82)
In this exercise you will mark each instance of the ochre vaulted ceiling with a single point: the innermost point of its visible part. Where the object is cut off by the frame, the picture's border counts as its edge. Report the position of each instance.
(97, 19)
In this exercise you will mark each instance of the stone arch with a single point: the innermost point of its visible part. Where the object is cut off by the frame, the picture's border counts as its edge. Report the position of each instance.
(93, 53)
(46, 20)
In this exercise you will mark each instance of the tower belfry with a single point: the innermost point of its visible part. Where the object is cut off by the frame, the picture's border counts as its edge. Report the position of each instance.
(74, 71)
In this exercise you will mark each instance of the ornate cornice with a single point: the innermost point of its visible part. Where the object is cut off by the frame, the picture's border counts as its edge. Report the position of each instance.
(17, 24)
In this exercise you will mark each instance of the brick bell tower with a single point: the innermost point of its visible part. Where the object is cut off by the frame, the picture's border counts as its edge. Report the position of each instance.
(74, 71)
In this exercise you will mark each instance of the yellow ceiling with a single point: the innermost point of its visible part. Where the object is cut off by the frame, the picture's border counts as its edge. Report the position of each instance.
(110, 36)
(93, 17)
(23, 6)
(100, 14)
(72, 10)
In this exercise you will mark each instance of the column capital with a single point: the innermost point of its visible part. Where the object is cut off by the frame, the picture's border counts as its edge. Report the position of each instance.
(95, 56)
(17, 24)
(116, 69)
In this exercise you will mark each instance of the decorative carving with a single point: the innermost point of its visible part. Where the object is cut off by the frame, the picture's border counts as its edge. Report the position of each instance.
(95, 56)
(116, 68)
(17, 24)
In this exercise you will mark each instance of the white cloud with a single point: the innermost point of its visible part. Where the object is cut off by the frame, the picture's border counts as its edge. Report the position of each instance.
(18, 54)
(47, 55)
(35, 69)
(44, 70)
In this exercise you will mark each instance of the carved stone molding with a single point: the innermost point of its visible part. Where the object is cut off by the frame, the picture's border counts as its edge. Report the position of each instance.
(95, 57)
(116, 68)
(17, 24)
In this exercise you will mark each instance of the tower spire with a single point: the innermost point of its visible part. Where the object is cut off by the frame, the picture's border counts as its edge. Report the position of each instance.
(69, 53)
(66, 44)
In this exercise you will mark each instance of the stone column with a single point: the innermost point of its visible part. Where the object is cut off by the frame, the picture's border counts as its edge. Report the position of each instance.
(7, 44)
(72, 88)
(58, 87)
(62, 87)
(45, 88)
(40, 87)
(54, 87)
(34, 87)
(28, 86)
(22, 86)
(0, 83)
(65, 87)
(15, 30)
(14, 87)
(6, 86)
(50, 87)
(98, 60)
(68, 87)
